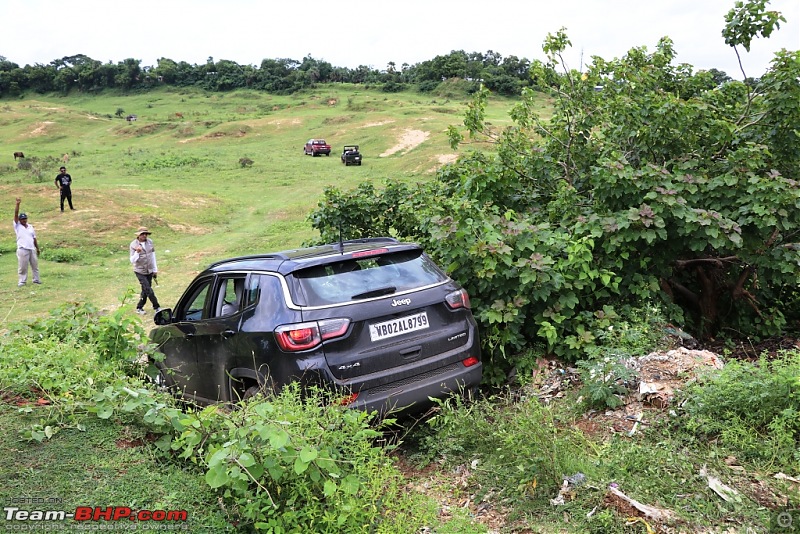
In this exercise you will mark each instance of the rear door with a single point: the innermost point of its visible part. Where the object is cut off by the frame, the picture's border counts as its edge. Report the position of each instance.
(407, 334)
(400, 322)
(217, 334)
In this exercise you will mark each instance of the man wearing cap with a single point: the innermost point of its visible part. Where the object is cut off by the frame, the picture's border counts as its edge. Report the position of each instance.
(64, 184)
(27, 247)
(143, 258)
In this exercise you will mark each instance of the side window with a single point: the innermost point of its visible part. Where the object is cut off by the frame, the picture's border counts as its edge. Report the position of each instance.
(230, 296)
(192, 310)
(252, 290)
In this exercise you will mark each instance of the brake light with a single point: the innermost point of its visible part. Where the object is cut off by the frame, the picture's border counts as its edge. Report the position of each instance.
(366, 253)
(458, 299)
(301, 336)
(304, 336)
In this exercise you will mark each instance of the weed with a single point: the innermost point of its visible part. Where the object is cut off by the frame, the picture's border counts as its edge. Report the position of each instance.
(605, 380)
(753, 409)
(516, 448)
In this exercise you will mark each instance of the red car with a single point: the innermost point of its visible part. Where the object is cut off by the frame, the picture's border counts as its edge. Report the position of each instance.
(315, 147)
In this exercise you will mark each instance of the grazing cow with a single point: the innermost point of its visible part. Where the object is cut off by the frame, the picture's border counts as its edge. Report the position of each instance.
(179, 115)
(18, 155)
(65, 158)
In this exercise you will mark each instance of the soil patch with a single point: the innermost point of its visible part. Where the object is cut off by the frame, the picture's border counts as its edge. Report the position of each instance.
(41, 129)
(408, 140)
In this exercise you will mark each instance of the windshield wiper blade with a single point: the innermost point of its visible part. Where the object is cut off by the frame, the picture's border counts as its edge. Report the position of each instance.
(388, 290)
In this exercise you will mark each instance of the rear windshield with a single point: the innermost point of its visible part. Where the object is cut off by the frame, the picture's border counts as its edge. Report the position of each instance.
(361, 278)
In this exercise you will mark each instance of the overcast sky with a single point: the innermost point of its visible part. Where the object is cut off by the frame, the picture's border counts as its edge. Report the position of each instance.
(373, 33)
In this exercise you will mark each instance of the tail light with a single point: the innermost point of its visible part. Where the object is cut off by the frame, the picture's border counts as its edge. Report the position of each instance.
(458, 299)
(304, 336)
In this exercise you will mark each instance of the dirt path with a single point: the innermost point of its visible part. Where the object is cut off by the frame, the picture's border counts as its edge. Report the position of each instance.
(408, 140)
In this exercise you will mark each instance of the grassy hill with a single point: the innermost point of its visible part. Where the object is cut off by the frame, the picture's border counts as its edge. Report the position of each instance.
(176, 170)
(531, 461)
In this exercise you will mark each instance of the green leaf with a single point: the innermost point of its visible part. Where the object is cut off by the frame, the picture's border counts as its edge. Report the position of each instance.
(217, 477)
(246, 459)
(278, 439)
(350, 484)
(300, 466)
(308, 454)
(218, 458)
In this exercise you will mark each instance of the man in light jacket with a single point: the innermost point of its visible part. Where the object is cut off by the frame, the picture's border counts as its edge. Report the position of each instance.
(143, 258)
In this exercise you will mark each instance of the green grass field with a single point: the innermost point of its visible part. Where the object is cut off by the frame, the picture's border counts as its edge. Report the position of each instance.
(176, 170)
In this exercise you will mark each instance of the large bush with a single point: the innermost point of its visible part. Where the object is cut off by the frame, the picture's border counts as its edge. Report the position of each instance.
(661, 186)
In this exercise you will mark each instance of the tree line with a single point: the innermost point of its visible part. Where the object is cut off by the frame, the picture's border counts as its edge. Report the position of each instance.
(502, 75)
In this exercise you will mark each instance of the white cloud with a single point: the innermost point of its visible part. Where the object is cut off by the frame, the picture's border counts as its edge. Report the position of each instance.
(374, 33)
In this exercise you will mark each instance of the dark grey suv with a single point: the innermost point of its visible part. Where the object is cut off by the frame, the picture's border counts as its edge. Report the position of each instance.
(374, 320)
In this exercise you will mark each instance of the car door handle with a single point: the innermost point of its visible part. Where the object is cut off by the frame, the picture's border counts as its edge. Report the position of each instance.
(228, 333)
(411, 351)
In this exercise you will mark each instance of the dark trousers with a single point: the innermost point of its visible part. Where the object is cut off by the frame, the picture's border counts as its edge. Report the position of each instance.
(145, 280)
(66, 193)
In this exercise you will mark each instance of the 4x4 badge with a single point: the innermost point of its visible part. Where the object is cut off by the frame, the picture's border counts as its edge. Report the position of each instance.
(401, 302)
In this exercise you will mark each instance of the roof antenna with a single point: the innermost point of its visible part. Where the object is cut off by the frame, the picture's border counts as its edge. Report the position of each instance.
(341, 242)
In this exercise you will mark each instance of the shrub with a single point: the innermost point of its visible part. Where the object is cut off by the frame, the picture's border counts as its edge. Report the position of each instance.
(751, 408)
(427, 86)
(62, 255)
(516, 447)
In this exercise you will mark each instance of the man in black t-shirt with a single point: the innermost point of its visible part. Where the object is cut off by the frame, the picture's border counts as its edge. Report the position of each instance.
(64, 183)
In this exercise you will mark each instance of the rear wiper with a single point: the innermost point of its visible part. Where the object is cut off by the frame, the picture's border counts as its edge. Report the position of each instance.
(388, 290)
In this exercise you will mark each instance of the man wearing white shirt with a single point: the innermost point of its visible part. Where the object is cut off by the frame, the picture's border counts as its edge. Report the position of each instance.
(27, 247)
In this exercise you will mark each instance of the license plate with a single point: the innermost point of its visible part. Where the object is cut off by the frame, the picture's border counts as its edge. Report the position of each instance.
(396, 327)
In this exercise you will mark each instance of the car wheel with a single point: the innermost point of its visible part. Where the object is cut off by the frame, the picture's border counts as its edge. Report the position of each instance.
(251, 392)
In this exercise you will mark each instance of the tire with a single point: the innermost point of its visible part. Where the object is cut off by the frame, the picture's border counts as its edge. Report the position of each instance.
(251, 392)
(251, 389)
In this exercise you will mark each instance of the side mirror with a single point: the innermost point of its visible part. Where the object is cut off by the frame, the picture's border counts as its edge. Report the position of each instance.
(163, 317)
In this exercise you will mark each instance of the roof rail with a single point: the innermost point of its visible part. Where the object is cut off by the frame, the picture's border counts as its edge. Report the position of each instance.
(273, 256)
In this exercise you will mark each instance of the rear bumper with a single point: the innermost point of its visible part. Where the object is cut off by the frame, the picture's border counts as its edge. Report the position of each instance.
(412, 394)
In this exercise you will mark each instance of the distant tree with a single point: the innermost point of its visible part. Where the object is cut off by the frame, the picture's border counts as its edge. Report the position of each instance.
(719, 76)
(128, 72)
